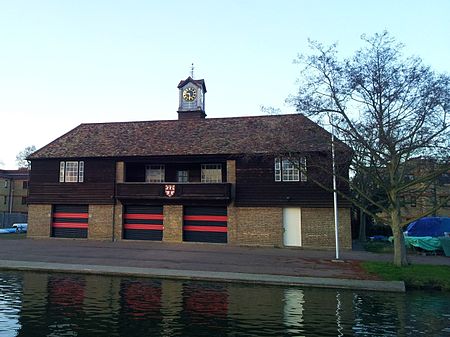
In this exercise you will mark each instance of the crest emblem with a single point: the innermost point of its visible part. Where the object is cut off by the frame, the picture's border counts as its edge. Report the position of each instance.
(169, 190)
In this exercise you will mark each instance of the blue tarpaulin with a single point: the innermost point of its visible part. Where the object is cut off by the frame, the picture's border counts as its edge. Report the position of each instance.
(432, 226)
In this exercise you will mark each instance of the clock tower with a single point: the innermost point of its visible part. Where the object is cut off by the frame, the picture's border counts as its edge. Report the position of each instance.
(192, 99)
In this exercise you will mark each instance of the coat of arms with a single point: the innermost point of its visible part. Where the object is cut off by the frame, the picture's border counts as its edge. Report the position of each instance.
(169, 190)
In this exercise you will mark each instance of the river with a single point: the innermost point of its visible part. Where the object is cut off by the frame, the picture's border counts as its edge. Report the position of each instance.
(44, 304)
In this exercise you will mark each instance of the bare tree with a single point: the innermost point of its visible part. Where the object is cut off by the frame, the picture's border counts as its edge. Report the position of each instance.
(21, 157)
(389, 109)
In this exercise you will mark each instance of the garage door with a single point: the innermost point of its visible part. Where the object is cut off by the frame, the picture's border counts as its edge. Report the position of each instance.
(70, 221)
(205, 224)
(143, 222)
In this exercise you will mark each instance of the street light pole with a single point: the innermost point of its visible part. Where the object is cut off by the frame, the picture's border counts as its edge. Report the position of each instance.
(336, 219)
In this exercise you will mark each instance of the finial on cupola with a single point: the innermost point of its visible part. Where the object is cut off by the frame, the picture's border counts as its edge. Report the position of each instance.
(192, 70)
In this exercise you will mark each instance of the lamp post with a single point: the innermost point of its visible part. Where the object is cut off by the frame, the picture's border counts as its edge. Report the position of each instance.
(336, 219)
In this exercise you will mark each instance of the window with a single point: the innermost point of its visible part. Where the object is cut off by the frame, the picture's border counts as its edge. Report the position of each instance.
(154, 173)
(211, 173)
(6, 184)
(289, 169)
(183, 176)
(4, 200)
(25, 184)
(71, 171)
(24, 200)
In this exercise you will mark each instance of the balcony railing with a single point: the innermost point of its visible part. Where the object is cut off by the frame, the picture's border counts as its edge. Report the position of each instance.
(187, 191)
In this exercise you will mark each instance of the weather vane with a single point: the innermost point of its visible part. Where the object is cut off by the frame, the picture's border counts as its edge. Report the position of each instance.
(192, 70)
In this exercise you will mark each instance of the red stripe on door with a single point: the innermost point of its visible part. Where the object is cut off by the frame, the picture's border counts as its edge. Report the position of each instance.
(143, 226)
(213, 218)
(69, 225)
(71, 215)
(144, 216)
(205, 229)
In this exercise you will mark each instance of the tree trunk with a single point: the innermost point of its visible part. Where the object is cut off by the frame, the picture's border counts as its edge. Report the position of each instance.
(362, 225)
(400, 257)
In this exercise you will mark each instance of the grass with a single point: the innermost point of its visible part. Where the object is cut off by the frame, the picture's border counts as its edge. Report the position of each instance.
(414, 276)
(13, 236)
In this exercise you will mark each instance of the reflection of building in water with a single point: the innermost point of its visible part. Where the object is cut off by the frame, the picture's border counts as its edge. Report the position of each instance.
(293, 310)
(58, 304)
(323, 312)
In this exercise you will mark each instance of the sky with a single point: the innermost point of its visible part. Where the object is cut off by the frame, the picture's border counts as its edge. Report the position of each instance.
(63, 63)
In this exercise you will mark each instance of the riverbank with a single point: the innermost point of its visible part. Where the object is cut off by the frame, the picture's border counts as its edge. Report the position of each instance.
(423, 277)
(298, 267)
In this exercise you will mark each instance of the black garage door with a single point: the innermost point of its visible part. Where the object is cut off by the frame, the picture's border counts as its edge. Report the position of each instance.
(205, 224)
(70, 221)
(143, 222)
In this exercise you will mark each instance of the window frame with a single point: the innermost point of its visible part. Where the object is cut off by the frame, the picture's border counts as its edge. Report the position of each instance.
(288, 169)
(156, 168)
(71, 171)
(182, 176)
(211, 173)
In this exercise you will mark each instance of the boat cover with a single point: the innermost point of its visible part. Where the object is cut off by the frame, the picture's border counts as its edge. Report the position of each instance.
(425, 242)
(431, 226)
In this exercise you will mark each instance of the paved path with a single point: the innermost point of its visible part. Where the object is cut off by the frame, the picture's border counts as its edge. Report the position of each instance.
(189, 259)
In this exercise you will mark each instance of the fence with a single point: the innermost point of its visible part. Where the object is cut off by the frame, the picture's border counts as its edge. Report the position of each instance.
(8, 219)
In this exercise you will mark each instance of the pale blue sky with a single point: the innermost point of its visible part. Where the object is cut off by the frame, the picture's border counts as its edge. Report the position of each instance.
(63, 63)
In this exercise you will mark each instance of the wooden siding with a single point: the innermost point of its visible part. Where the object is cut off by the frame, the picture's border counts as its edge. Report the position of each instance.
(256, 186)
(97, 188)
(187, 191)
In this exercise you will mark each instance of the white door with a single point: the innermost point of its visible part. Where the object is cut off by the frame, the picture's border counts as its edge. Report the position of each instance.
(292, 230)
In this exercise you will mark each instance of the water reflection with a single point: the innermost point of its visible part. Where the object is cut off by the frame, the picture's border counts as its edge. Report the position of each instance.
(39, 304)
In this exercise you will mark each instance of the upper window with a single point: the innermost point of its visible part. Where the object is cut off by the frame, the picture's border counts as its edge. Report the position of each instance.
(211, 173)
(183, 176)
(71, 171)
(290, 169)
(154, 173)
(25, 184)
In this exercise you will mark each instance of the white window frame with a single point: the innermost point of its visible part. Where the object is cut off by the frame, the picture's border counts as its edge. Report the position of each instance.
(71, 171)
(211, 173)
(182, 176)
(155, 173)
(288, 169)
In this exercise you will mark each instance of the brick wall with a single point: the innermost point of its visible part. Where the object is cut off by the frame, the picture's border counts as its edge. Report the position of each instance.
(173, 223)
(118, 222)
(39, 221)
(100, 222)
(255, 226)
(120, 172)
(318, 228)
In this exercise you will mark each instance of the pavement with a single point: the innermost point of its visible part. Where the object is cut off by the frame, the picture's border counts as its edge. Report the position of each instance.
(294, 267)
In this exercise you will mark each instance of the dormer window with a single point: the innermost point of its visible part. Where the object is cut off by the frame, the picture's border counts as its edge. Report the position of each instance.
(290, 169)
(71, 171)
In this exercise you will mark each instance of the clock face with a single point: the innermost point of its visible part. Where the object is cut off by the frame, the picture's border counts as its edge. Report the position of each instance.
(189, 94)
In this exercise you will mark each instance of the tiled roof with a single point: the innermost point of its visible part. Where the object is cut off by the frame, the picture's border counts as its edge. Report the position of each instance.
(21, 174)
(211, 136)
